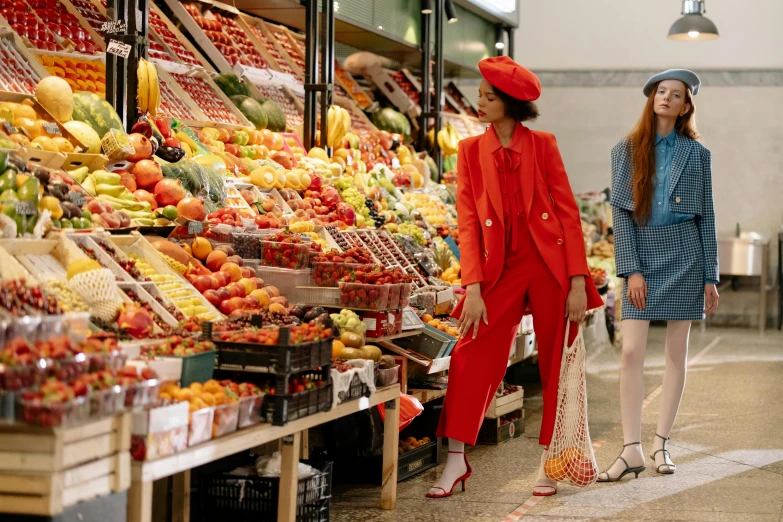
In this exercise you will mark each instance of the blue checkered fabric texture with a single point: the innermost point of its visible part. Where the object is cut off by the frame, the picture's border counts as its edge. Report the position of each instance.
(668, 256)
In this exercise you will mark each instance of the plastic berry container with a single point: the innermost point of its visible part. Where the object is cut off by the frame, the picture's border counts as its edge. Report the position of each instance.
(104, 403)
(25, 327)
(329, 273)
(141, 394)
(250, 410)
(200, 429)
(36, 412)
(225, 419)
(364, 297)
(405, 294)
(394, 296)
(285, 255)
(51, 326)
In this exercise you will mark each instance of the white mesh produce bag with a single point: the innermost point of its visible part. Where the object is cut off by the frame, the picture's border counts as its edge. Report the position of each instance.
(98, 289)
(570, 457)
(363, 369)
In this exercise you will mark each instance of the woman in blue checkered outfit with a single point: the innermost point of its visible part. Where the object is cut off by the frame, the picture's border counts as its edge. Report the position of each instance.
(666, 250)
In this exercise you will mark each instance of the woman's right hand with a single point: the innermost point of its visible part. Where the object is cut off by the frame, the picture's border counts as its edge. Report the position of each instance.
(637, 291)
(473, 311)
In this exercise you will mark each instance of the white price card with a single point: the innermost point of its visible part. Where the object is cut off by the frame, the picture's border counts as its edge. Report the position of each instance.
(118, 48)
(395, 163)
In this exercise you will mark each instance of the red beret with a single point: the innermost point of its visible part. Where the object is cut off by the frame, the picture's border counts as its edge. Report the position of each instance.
(507, 75)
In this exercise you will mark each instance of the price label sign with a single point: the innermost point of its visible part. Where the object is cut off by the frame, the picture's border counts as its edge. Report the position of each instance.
(118, 49)
(52, 128)
(9, 128)
(195, 227)
(114, 27)
(349, 160)
(395, 163)
(25, 208)
(77, 198)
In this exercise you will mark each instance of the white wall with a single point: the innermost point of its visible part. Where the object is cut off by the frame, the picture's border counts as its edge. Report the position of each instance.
(631, 34)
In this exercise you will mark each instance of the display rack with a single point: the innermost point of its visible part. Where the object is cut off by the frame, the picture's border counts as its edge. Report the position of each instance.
(259, 33)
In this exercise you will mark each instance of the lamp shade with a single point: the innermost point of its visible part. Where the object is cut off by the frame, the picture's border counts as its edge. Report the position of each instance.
(426, 6)
(693, 27)
(451, 13)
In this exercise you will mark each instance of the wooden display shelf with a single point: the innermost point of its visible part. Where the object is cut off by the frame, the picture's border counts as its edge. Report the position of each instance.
(179, 465)
(426, 396)
(42, 470)
(400, 335)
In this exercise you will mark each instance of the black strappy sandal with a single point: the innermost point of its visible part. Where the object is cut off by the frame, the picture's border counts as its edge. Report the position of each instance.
(667, 458)
(628, 469)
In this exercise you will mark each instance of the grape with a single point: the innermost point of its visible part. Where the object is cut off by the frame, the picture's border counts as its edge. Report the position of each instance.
(412, 230)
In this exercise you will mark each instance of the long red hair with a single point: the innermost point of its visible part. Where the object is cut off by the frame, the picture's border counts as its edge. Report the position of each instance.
(642, 143)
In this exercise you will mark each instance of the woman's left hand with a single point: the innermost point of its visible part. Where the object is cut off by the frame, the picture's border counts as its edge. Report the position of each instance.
(711, 298)
(576, 304)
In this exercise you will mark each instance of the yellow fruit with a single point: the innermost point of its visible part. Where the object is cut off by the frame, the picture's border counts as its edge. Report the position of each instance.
(337, 349)
(185, 394)
(292, 180)
(212, 386)
(46, 143)
(82, 265)
(305, 180)
(426, 318)
(62, 144)
(201, 248)
(51, 204)
(318, 153)
(208, 399)
(56, 96)
(351, 340)
(197, 387)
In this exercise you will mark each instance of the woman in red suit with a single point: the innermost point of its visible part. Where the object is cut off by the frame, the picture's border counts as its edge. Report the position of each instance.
(521, 246)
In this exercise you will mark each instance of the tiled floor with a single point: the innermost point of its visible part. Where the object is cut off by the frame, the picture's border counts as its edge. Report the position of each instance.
(728, 444)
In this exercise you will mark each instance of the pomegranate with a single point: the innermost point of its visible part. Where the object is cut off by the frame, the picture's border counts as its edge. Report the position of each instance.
(136, 321)
(147, 173)
(192, 208)
(169, 192)
(142, 147)
(143, 195)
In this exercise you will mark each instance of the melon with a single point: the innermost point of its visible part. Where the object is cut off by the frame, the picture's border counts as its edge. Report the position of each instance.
(85, 134)
(275, 117)
(55, 95)
(231, 85)
(175, 252)
(95, 112)
(251, 110)
(80, 266)
(392, 121)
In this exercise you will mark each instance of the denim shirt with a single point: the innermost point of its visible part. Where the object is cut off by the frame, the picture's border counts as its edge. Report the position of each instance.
(661, 213)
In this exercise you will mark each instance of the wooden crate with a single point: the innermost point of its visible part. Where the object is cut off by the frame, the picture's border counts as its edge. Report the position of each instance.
(45, 259)
(493, 431)
(180, 37)
(42, 471)
(502, 405)
(75, 160)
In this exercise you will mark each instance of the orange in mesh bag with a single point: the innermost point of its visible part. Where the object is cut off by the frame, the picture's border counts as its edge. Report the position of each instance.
(98, 290)
(570, 457)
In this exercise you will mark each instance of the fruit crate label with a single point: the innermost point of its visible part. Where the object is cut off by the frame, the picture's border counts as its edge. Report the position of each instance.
(52, 128)
(114, 27)
(118, 48)
(77, 198)
(195, 227)
(25, 208)
(9, 128)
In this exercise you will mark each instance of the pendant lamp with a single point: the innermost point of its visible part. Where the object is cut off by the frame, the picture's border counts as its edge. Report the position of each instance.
(693, 26)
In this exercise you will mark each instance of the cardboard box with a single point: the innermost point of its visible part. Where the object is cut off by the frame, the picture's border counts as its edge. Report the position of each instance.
(381, 324)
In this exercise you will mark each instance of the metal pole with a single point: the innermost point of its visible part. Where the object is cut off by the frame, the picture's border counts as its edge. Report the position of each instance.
(510, 33)
(121, 79)
(426, 59)
(438, 83)
(311, 71)
(327, 64)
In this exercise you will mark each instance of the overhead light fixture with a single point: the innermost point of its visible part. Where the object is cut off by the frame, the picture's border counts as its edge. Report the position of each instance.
(451, 13)
(693, 26)
(426, 6)
(500, 45)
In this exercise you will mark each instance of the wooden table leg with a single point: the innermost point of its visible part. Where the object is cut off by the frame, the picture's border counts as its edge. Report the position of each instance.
(180, 497)
(305, 453)
(140, 502)
(391, 437)
(289, 478)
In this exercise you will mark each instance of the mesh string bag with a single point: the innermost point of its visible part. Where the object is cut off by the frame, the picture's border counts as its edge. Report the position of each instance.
(97, 288)
(570, 457)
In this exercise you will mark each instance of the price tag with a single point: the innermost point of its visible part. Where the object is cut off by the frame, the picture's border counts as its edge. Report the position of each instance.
(114, 27)
(395, 163)
(77, 198)
(195, 227)
(118, 48)
(25, 208)
(349, 160)
(52, 128)
(9, 128)
(24, 131)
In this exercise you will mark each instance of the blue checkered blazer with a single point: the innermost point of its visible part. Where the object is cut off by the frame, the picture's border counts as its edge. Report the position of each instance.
(690, 193)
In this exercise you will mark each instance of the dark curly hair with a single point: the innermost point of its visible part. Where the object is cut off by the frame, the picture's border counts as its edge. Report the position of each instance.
(519, 110)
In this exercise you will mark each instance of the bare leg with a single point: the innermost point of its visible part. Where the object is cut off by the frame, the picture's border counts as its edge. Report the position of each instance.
(631, 394)
(455, 468)
(545, 486)
(677, 335)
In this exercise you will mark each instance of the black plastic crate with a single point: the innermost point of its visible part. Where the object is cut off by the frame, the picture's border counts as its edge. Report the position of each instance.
(258, 358)
(417, 460)
(241, 498)
(279, 408)
(357, 390)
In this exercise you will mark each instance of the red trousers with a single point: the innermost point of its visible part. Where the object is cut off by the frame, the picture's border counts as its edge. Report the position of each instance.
(478, 365)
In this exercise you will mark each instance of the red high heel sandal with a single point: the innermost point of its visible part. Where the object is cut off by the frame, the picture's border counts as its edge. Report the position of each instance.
(462, 479)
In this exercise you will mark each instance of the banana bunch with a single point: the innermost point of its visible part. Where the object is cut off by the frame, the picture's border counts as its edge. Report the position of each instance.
(338, 125)
(448, 139)
(149, 88)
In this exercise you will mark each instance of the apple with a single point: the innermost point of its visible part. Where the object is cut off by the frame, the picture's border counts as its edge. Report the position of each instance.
(237, 289)
(203, 283)
(224, 294)
(235, 259)
(213, 297)
(225, 307)
(247, 272)
(237, 303)
(249, 285)
(258, 281)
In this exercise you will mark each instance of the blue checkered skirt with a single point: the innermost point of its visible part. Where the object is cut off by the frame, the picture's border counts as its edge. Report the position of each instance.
(672, 262)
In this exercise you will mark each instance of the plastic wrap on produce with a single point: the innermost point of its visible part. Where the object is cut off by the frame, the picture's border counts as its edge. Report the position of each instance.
(364, 369)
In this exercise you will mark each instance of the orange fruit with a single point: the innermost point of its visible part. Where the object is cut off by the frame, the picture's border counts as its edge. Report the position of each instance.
(426, 318)
(555, 468)
(208, 399)
(278, 308)
(185, 394)
(337, 348)
(201, 248)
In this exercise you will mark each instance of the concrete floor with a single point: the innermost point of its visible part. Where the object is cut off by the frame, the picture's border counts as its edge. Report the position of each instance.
(727, 443)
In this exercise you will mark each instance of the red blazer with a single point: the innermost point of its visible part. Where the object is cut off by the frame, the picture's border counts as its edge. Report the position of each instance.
(552, 213)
